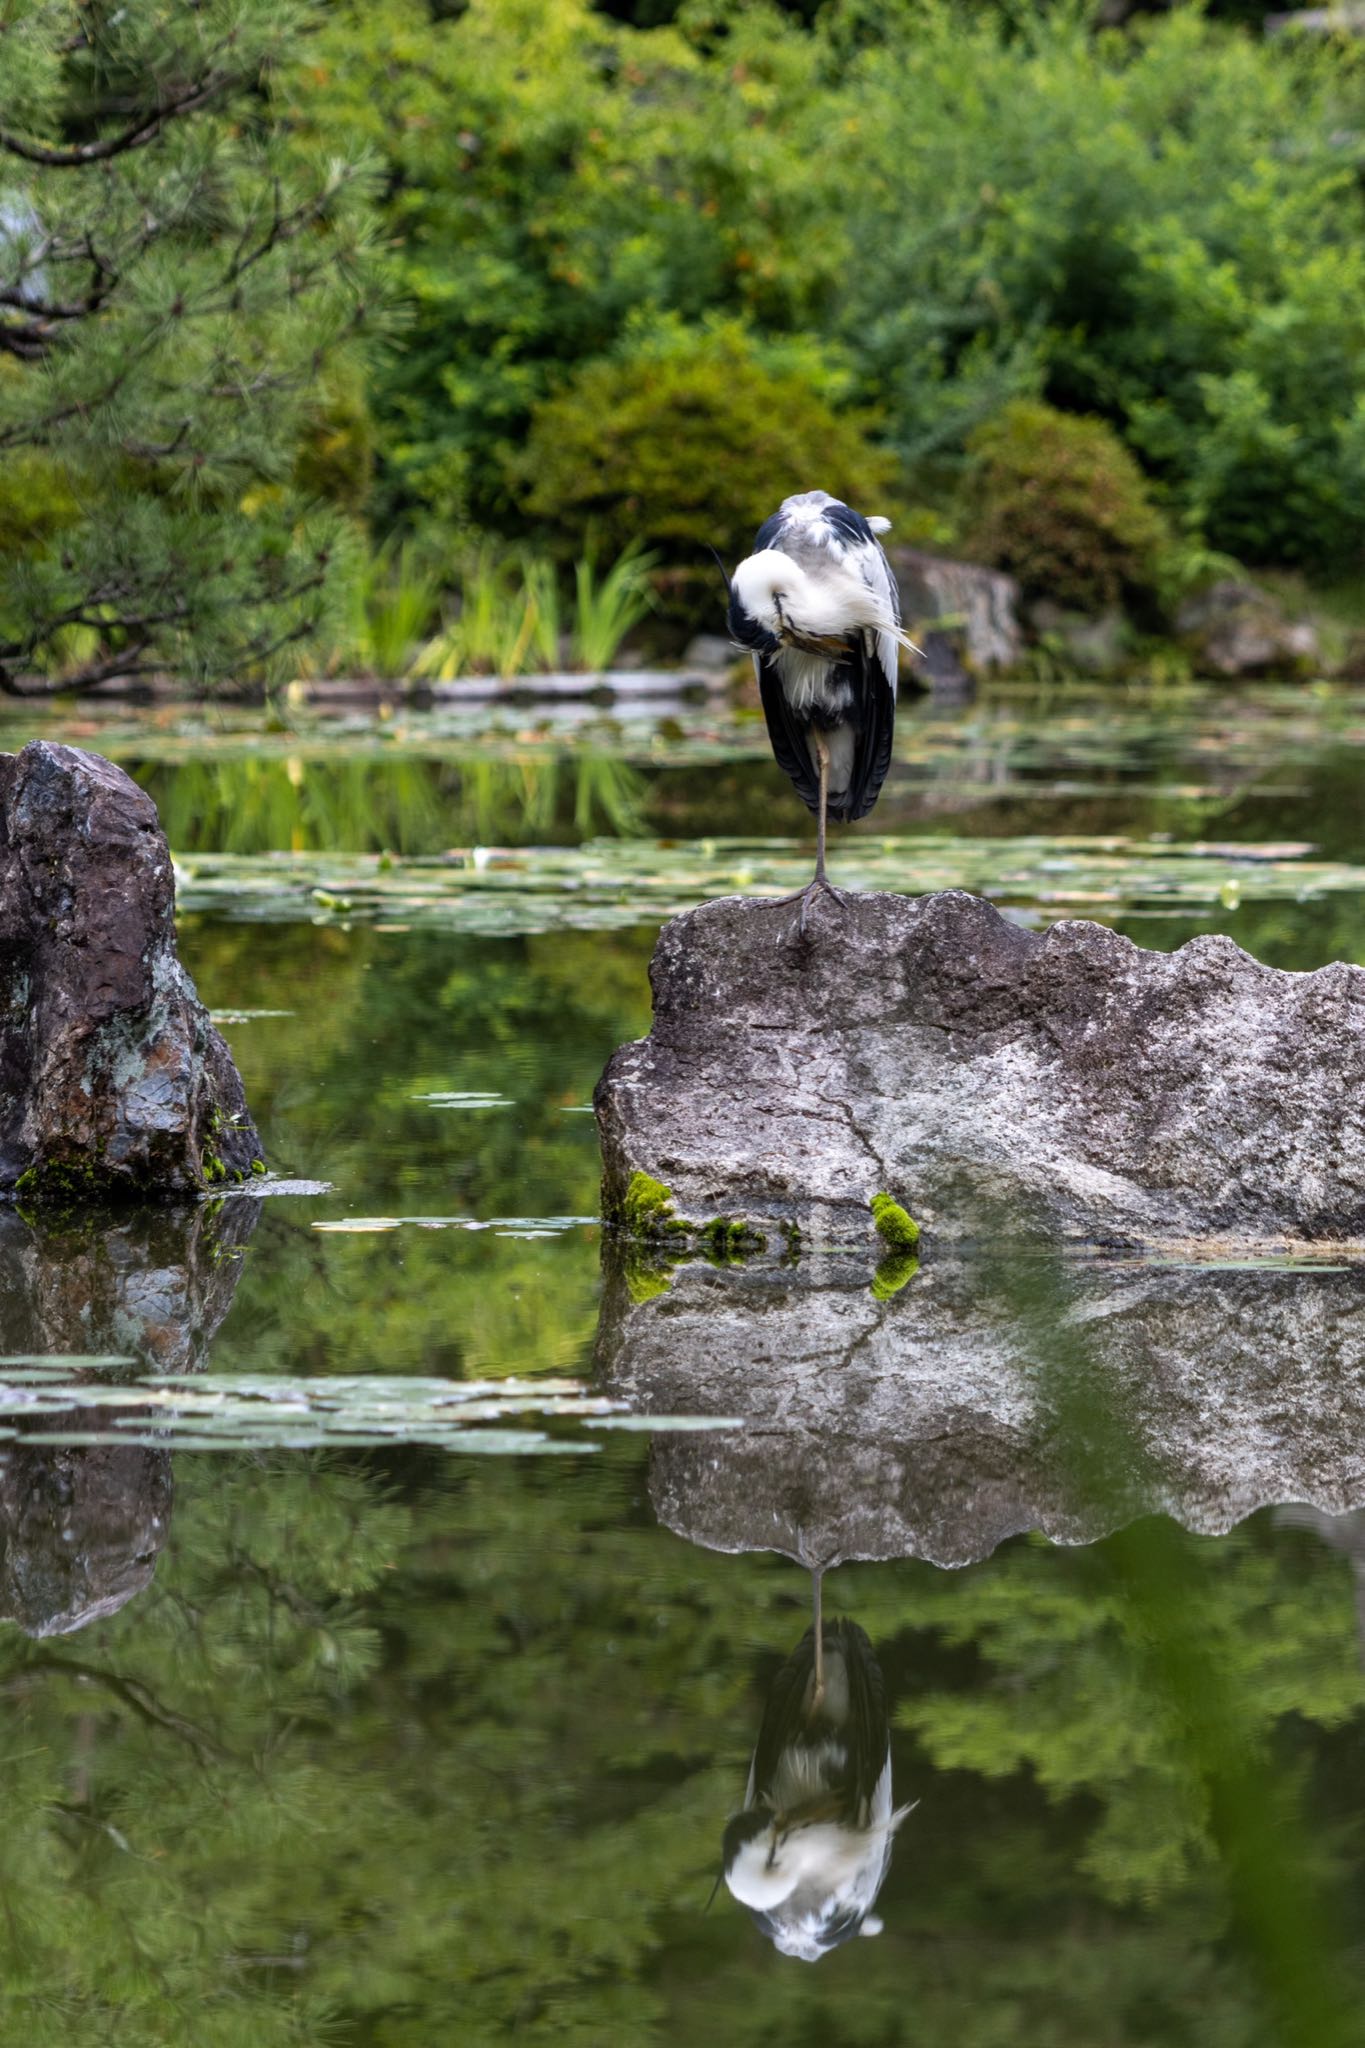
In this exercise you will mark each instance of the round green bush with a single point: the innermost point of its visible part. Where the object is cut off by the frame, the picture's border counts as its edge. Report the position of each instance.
(1058, 501)
(686, 446)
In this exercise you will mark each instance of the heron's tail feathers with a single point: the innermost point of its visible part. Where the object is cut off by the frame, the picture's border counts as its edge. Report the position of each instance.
(902, 639)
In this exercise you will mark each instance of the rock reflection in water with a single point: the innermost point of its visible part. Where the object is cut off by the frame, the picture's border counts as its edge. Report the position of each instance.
(81, 1529)
(809, 1851)
(930, 1425)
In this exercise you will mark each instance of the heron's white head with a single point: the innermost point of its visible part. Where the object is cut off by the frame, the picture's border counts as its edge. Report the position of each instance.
(766, 592)
(759, 1875)
(776, 602)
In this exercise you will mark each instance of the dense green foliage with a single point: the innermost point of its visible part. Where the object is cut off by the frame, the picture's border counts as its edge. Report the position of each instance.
(654, 271)
(179, 280)
(689, 441)
(944, 208)
(1060, 502)
(417, 1754)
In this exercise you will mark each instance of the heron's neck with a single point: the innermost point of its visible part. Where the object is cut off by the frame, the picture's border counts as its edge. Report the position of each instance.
(769, 575)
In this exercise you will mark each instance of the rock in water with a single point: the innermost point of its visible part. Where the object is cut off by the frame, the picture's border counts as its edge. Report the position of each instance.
(925, 1046)
(113, 1081)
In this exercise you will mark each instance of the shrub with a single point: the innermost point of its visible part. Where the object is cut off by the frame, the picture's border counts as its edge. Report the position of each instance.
(1164, 227)
(963, 205)
(1059, 502)
(688, 444)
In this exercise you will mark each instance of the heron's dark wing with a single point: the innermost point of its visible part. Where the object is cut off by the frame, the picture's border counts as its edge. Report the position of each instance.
(784, 1723)
(863, 551)
(875, 717)
(867, 1730)
(771, 531)
(788, 736)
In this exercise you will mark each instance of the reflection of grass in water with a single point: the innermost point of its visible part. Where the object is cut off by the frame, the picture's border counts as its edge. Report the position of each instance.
(305, 805)
(1281, 1915)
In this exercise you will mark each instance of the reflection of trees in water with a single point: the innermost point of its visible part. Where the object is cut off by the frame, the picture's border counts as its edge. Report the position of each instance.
(530, 1018)
(439, 1753)
(400, 804)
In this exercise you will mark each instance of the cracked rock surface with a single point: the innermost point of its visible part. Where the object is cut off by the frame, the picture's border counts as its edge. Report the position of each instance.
(946, 1420)
(113, 1081)
(1071, 1079)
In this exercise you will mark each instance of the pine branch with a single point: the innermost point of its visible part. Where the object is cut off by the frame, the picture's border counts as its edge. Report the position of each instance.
(142, 131)
(140, 1699)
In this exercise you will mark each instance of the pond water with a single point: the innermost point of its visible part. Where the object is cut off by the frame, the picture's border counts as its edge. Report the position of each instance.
(363, 1719)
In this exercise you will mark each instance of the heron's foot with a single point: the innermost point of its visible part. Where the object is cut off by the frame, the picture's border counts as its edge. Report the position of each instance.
(818, 887)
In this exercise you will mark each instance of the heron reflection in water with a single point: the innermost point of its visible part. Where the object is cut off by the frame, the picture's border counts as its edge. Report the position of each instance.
(808, 1853)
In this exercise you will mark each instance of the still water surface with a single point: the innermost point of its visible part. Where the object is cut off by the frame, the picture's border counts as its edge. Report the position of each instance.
(390, 1747)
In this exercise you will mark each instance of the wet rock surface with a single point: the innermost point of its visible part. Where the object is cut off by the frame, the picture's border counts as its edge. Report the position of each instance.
(942, 1422)
(81, 1527)
(113, 1081)
(928, 1047)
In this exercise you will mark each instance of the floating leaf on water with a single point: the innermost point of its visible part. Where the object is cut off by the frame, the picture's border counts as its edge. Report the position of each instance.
(669, 1425)
(504, 1226)
(65, 1361)
(614, 883)
(255, 1412)
(449, 1098)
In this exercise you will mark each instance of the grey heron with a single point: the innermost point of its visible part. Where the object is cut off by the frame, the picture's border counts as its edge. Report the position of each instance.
(809, 1851)
(817, 606)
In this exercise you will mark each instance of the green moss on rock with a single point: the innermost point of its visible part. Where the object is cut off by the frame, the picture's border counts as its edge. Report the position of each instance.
(729, 1241)
(896, 1227)
(893, 1273)
(648, 1210)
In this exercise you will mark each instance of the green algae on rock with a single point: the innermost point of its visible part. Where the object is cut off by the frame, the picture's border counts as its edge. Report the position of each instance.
(656, 1238)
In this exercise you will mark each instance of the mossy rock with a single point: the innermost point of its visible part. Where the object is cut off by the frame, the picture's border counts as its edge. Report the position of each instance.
(658, 1238)
(648, 1211)
(896, 1227)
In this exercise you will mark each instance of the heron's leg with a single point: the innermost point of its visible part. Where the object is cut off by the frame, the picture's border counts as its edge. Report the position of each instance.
(819, 884)
(817, 1698)
(822, 762)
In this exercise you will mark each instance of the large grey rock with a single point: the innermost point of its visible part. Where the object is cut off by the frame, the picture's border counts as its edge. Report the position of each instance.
(1323, 21)
(113, 1081)
(929, 1047)
(954, 1416)
(974, 611)
(1238, 629)
(81, 1527)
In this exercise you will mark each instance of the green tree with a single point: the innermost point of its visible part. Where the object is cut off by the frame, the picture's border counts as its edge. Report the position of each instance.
(180, 282)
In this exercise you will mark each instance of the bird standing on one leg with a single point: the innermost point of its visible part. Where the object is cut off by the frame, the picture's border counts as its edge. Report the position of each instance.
(817, 605)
